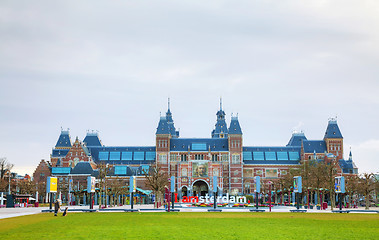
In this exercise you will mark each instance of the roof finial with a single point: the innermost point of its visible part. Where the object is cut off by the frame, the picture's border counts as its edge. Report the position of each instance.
(220, 103)
(169, 104)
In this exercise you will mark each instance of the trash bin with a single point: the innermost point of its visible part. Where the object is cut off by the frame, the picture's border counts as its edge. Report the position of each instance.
(324, 205)
(36, 204)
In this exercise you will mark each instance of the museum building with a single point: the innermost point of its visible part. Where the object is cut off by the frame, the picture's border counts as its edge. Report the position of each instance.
(194, 161)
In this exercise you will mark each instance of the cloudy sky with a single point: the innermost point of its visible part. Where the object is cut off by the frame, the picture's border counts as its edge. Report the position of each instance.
(111, 65)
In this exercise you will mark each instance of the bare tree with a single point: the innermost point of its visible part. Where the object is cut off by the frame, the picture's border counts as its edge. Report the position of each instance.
(366, 186)
(352, 187)
(5, 168)
(156, 180)
(116, 188)
(103, 172)
(27, 187)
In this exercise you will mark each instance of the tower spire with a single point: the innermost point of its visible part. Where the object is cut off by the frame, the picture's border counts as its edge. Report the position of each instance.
(220, 103)
(169, 104)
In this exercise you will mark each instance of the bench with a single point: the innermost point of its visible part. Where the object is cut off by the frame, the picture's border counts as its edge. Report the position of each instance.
(341, 211)
(298, 210)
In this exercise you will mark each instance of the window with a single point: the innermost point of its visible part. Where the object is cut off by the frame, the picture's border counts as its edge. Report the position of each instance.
(258, 156)
(199, 157)
(150, 155)
(120, 170)
(199, 146)
(163, 158)
(224, 157)
(114, 156)
(235, 159)
(214, 157)
(145, 169)
(173, 157)
(103, 155)
(247, 156)
(139, 156)
(270, 156)
(282, 155)
(183, 157)
(294, 156)
(126, 156)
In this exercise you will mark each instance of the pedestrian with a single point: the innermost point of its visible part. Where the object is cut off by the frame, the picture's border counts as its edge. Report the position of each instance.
(57, 207)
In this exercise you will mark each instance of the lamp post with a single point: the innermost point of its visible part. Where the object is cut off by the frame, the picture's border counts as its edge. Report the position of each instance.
(9, 182)
(269, 194)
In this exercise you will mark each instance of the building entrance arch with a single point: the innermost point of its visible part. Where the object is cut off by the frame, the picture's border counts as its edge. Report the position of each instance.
(200, 188)
(184, 191)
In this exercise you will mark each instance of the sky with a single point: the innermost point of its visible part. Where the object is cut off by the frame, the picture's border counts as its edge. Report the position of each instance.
(110, 66)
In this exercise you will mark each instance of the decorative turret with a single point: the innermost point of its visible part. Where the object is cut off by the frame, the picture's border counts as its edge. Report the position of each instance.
(92, 139)
(235, 127)
(166, 124)
(221, 129)
(296, 139)
(333, 139)
(64, 140)
(332, 131)
(163, 127)
(350, 156)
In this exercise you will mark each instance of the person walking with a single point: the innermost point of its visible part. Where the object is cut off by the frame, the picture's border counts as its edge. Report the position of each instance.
(57, 207)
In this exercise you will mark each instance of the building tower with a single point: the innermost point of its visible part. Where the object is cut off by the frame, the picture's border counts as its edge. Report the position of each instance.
(165, 131)
(333, 139)
(221, 129)
(235, 156)
(61, 148)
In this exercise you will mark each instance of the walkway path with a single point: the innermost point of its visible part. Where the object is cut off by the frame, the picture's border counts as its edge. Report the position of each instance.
(15, 212)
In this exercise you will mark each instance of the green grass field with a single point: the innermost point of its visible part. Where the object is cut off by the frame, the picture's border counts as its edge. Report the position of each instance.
(192, 226)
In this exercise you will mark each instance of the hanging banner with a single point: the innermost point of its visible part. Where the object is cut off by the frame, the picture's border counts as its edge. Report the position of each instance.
(339, 184)
(52, 184)
(172, 184)
(132, 184)
(297, 184)
(215, 183)
(257, 184)
(200, 168)
(90, 184)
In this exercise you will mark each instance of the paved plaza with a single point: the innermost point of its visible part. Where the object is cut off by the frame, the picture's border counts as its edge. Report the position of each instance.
(15, 212)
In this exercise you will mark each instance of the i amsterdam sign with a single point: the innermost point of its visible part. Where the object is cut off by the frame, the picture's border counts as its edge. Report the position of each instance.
(210, 199)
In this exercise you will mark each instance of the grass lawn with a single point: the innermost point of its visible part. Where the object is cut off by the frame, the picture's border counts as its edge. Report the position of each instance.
(192, 226)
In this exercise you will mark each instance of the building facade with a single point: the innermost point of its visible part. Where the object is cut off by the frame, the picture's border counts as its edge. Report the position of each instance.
(195, 161)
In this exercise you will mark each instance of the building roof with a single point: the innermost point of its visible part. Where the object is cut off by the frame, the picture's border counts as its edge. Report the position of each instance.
(59, 153)
(235, 127)
(199, 144)
(310, 146)
(296, 139)
(220, 126)
(271, 155)
(64, 140)
(60, 170)
(124, 155)
(348, 166)
(92, 139)
(332, 130)
(163, 126)
(82, 168)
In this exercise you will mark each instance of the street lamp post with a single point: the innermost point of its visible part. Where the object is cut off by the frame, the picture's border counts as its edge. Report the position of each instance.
(269, 194)
(9, 182)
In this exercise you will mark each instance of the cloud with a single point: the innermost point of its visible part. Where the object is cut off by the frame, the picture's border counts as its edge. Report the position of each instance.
(111, 65)
(365, 155)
